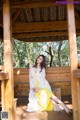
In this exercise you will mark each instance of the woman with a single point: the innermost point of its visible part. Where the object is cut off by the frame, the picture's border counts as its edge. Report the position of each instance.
(40, 96)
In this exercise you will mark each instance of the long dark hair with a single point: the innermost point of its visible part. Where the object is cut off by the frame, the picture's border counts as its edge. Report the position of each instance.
(43, 64)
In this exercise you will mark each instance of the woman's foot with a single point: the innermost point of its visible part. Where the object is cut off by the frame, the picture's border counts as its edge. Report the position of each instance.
(68, 111)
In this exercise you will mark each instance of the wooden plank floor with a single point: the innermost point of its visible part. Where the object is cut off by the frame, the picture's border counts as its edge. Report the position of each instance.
(22, 114)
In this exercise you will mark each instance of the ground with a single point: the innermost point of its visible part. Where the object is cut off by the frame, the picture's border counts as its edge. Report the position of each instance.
(22, 114)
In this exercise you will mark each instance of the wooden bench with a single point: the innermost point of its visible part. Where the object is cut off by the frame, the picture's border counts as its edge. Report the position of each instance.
(58, 77)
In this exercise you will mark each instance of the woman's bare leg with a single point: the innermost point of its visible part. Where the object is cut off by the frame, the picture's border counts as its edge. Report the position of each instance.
(56, 106)
(55, 99)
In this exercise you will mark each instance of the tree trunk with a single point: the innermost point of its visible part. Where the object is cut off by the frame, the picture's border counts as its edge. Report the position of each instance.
(51, 55)
(59, 53)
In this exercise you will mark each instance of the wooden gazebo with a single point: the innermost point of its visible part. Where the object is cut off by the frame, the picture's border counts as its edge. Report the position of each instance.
(39, 21)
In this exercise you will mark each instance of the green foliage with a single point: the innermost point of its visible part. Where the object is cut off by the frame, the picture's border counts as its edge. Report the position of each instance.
(1, 53)
(25, 53)
(78, 44)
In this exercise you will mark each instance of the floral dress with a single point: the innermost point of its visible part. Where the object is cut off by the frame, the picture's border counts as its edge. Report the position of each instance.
(39, 101)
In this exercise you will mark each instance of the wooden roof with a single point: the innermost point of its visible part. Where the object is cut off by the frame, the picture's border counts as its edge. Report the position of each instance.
(40, 20)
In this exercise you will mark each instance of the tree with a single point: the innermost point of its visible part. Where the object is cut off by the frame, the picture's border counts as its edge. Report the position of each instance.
(25, 53)
(50, 53)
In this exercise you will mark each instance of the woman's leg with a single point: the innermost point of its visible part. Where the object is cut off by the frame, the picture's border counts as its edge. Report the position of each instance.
(55, 99)
(56, 106)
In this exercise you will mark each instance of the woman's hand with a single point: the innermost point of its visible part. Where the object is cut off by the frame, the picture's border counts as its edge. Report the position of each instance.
(36, 89)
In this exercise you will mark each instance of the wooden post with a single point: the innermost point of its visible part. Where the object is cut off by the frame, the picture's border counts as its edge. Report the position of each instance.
(8, 60)
(79, 96)
(3, 94)
(73, 55)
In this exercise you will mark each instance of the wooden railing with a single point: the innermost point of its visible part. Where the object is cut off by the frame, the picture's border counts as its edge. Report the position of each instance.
(58, 77)
(3, 78)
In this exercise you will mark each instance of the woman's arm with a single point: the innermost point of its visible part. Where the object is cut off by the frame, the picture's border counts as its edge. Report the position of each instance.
(31, 79)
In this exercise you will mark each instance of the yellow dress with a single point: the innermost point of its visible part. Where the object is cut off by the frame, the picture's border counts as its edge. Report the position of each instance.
(43, 97)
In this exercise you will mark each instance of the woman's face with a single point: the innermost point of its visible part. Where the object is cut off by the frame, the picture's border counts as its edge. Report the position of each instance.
(39, 60)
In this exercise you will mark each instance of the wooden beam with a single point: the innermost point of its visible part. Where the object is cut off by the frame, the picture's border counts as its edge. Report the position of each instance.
(8, 88)
(63, 12)
(29, 15)
(4, 76)
(42, 34)
(44, 39)
(1, 21)
(54, 13)
(25, 4)
(59, 15)
(45, 14)
(73, 56)
(51, 12)
(32, 4)
(77, 16)
(77, 7)
(41, 26)
(16, 15)
(38, 15)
